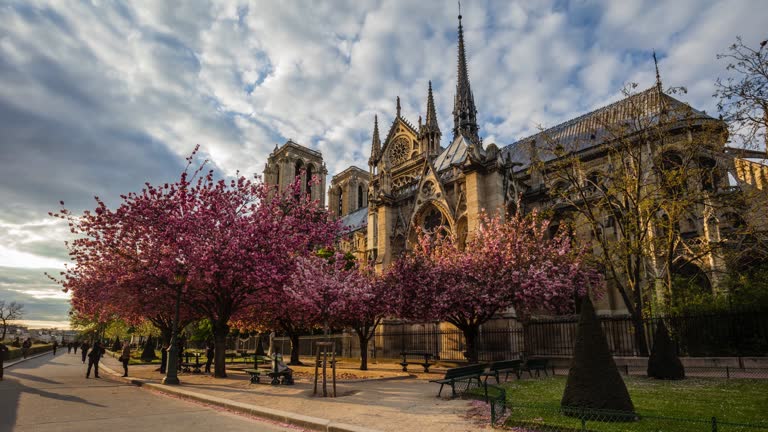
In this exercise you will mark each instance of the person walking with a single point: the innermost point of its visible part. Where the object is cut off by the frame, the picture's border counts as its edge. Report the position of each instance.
(93, 359)
(69, 347)
(55, 345)
(209, 354)
(125, 357)
(3, 350)
(25, 347)
(84, 350)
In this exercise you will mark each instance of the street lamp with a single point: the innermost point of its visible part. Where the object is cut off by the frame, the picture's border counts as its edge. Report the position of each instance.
(171, 375)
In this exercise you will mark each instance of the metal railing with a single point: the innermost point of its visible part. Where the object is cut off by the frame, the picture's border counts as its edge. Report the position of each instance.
(710, 335)
(545, 418)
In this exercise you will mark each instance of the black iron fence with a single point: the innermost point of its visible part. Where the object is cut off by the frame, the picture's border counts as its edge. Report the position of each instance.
(496, 341)
(713, 335)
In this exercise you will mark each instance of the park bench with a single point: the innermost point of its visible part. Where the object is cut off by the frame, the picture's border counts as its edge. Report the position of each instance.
(537, 365)
(285, 377)
(464, 373)
(504, 366)
(187, 365)
(426, 356)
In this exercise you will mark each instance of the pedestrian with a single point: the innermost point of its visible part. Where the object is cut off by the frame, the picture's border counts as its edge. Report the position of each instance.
(125, 357)
(164, 357)
(74, 346)
(93, 359)
(3, 350)
(209, 353)
(55, 345)
(69, 347)
(25, 347)
(84, 350)
(271, 349)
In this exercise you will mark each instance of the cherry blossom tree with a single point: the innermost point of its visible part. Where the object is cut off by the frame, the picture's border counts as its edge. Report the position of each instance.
(504, 264)
(334, 290)
(217, 244)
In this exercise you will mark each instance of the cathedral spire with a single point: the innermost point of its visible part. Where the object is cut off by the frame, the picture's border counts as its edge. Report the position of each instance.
(376, 140)
(464, 111)
(430, 131)
(431, 121)
(658, 75)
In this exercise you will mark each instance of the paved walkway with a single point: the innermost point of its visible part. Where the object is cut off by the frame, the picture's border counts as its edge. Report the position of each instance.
(51, 394)
(398, 402)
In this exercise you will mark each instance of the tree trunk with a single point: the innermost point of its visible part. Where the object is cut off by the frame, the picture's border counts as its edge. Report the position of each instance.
(5, 328)
(294, 337)
(165, 341)
(640, 342)
(470, 336)
(363, 337)
(220, 332)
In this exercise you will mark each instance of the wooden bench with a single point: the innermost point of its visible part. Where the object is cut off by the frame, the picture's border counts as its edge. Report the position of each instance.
(425, 355)
(464, 373)
(504, 366)
(537, 365)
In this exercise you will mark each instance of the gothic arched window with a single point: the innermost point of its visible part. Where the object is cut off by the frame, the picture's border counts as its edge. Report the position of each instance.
(308, 183)
(359, 196)
(341, 201)
(434, 221)
(277, 176)
(297, 170)
(710, 177)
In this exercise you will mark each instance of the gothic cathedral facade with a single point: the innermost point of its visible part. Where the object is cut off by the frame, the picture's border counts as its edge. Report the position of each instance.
(413, 183)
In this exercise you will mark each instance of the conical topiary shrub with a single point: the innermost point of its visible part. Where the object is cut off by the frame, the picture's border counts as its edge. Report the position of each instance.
(664, 362)
(260, 348)
(149, 350)
(594, 382)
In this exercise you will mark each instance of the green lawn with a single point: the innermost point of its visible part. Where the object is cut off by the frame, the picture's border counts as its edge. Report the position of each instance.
(734, 401)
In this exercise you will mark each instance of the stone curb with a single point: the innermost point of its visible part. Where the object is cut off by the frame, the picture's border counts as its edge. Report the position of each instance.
(22, 360)
(314, 423)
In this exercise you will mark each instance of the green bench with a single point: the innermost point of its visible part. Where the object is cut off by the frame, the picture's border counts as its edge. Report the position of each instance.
(537, 365)
(256, 374)
(285, 377)
(464, 373)
(504, 366)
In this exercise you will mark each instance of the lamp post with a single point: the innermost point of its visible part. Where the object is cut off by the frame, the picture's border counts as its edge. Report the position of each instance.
(171, 375)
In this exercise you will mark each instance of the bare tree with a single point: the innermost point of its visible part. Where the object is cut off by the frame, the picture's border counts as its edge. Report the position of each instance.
(743, 97)
(641, 180)
(9, 312)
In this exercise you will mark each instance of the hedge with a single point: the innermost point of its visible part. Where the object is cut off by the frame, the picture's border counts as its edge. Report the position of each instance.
(14, 353)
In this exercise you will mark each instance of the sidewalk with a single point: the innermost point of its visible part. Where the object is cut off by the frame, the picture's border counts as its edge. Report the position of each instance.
(396, 403)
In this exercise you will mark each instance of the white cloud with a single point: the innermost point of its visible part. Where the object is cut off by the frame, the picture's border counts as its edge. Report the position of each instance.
(96, 98)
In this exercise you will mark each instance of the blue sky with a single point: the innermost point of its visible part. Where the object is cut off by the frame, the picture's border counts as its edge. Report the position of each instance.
(98, 97)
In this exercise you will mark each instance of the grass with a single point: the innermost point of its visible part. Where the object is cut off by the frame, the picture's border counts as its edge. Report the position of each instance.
(733, 401)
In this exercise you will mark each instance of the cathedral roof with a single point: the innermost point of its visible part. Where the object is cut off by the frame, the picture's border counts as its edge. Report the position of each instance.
(456, 153)
(593, 128)
(356, 220)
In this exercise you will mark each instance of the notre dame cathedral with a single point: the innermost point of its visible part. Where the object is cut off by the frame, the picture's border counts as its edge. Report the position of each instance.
(413, 183)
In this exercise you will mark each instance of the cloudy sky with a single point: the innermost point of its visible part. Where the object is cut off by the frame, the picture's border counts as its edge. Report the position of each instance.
(98, 97)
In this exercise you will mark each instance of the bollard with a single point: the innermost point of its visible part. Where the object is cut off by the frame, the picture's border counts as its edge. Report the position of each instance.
(727, 374)
(714, 424)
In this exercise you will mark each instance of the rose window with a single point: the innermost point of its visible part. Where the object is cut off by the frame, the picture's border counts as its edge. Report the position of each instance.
(399, 152)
